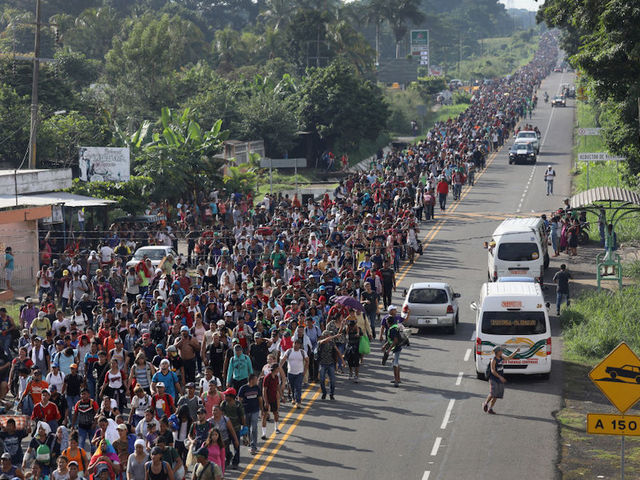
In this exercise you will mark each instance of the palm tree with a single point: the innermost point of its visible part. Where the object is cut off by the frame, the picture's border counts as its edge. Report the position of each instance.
(398, 13)
(376, 13)
(277, 12)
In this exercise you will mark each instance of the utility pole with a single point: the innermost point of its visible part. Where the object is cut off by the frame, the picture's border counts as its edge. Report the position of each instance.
(34, 92)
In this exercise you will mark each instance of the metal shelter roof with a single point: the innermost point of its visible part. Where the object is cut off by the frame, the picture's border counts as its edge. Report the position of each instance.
(52, 198)
(604, 194)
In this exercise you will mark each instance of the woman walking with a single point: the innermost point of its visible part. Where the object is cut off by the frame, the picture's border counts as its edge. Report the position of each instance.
(496, 378)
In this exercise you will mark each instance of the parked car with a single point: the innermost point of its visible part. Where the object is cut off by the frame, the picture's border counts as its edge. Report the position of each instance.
(558, 102)
(155, 252)
(431, 304)
(530, 136)
(522, 152)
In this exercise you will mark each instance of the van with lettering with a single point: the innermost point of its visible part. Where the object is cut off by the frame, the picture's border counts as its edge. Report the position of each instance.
(513, 315)
(518, 248)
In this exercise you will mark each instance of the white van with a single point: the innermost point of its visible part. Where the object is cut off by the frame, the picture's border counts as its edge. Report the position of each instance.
(513, 315)
(518, 248)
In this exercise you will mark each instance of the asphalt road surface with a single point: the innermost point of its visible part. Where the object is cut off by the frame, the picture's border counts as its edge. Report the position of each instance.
(433, 426)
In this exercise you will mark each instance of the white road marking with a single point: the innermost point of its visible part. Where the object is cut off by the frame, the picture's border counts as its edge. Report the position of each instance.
(425, 475)
(467, 355)
(436, 446)
(447, 414)
(544, 138)
(459, 379)
(526, 189)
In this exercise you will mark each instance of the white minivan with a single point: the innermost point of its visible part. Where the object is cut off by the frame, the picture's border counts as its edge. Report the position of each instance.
(518, 248)
(513, 315)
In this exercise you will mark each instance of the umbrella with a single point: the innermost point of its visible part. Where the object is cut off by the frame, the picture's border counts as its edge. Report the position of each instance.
(350, 302)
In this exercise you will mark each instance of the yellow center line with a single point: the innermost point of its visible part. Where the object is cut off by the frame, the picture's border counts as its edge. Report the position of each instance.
(273, 436)
(284, 438)
(426, 242)
(444, 217)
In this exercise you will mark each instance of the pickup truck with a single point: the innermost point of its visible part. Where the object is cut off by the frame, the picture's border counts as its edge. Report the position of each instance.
(558, 102)
(625, 371)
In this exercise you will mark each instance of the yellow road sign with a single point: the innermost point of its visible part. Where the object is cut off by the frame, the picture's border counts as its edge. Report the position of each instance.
(618, 377)
(605, 424)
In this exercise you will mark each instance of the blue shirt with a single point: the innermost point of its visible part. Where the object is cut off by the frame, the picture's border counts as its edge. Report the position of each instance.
(9, 260)
(169, 380)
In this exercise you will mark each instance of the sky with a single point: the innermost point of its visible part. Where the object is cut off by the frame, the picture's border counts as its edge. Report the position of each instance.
(528, 4)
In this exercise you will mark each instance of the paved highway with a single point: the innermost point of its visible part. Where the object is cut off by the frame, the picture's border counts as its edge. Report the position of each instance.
(433, 427)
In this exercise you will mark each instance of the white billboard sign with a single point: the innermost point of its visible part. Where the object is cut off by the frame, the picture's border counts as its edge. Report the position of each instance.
(104, 164)
(283, 163)
(599, 157)
(589, 131)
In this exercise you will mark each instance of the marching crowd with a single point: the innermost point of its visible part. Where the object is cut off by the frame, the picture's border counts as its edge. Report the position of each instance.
(152, 369)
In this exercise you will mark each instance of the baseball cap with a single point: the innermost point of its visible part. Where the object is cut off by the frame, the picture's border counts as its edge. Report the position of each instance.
(190, 385)
(391, 307)
(73, 365)
(257, 335)
(184, 328)
(230, 391)
(221, 323)
(122, 426)
(6, 456)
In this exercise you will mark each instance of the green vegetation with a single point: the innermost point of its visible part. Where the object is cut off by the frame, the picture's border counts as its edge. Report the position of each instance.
(598, 321)
(601, 174)
(497, 57)
(601, 40)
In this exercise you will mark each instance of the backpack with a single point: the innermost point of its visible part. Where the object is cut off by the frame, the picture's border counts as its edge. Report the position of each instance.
(403, 338)
(43, 454)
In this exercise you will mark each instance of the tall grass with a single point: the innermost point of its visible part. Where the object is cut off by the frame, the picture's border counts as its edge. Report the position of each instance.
(598, 321)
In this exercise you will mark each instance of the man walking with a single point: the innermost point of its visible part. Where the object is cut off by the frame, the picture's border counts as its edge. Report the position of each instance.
(251, 398)
(561, 278)
(496, 378)
(549, 177)
(327, 355)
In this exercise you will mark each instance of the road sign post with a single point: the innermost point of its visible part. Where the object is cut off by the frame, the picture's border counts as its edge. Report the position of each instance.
(617, 376)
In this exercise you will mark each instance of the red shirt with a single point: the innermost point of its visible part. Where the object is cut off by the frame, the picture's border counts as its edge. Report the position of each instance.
(443, 187)
(46, 414)
(271, 385)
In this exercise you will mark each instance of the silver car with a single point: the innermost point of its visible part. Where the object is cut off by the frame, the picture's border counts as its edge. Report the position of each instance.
(431, 304)
(154, 252)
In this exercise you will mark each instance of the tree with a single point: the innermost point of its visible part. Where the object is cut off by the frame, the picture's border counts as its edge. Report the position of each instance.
(139, 68)
(181, 156)
(241, 179)
(603, 40)
(14, 125)
(61, 135)
(340, 107)
(132, 196)
(92, 32)
(266, 114)
(398, 13)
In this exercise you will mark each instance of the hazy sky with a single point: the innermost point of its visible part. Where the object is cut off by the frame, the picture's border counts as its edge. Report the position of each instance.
(528, 4)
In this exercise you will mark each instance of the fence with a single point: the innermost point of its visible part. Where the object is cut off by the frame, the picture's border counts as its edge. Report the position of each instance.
(23, 278)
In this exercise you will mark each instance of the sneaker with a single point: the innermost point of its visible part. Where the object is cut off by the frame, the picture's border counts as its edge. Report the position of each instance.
(350, 375)
(253, 451)
(355, 379)
(331, 397)
(324, 396)
(396, 384)
(558, 313)
(278, 430)
(485, 407)
(491, 411)
(263, 437)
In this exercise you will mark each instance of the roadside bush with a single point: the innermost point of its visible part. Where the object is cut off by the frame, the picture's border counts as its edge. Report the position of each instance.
(598, 321)
(461, 97)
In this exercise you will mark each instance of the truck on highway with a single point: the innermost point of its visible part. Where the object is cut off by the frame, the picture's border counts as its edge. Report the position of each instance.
(513, 315)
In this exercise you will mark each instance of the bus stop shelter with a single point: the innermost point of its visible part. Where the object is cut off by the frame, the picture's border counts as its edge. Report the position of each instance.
(616, 203)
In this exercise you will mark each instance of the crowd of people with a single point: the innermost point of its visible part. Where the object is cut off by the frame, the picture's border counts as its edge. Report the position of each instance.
(153, 369)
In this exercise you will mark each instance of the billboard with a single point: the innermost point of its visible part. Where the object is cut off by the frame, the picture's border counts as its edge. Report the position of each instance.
(104, 164)
(420, 44)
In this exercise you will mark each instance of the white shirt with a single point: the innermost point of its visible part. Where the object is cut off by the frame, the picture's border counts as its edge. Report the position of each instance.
(106, 253)
(57, 380)
(295, 361)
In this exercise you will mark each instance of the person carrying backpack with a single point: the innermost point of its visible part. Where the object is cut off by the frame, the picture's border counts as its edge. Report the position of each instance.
(396, 339)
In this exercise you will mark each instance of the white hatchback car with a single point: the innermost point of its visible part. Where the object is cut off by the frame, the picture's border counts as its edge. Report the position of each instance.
(431, 304)
(154, 252)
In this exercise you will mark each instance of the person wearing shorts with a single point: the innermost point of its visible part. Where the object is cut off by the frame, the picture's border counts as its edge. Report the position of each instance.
(496, 378)
(271, 398)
